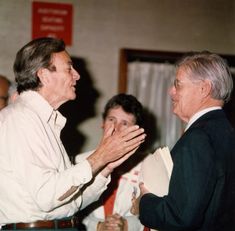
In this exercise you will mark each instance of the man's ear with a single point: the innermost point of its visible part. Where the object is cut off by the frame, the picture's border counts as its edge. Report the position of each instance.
(206, 87)
(43, 75)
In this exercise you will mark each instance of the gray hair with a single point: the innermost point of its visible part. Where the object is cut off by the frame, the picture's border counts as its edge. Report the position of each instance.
(33, 56)
(208, 66)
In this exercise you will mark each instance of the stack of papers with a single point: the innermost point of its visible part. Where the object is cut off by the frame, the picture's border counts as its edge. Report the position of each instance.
(156, 171)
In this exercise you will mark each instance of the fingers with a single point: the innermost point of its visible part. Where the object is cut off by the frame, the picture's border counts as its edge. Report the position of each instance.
(126, 134)
(116, 145)
(131, 132)
(132, 140)
(114, 222)
(124, 158)
(143, 190)
(135, 206)
(133, 210)
(122, 142)
(112, 165)
(108, 130)
(141, 185)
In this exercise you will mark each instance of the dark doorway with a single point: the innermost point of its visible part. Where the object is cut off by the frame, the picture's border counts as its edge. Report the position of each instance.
(78, 110)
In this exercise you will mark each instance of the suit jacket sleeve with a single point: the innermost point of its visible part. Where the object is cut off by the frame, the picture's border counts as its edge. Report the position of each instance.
(191, 186)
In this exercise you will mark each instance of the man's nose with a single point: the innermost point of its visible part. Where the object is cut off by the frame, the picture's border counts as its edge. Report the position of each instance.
(171, 90)
(117, 127)
(76, 75)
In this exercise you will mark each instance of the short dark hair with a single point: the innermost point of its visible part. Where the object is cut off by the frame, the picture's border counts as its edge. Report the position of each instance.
(33, 56)
(129, 104)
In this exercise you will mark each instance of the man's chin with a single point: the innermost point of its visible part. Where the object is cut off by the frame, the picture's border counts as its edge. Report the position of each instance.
(174, 111)
(73, 97)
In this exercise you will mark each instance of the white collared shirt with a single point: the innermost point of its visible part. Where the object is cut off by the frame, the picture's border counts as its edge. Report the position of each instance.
(38, 181)
(199, 114)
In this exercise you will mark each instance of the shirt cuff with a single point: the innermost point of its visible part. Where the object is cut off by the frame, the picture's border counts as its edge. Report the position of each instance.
(83, 173)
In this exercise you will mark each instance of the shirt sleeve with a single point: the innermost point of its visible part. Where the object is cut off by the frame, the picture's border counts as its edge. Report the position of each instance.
(93, 191)
(40, 166)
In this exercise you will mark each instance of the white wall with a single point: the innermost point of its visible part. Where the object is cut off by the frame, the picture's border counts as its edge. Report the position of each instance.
(102, 27)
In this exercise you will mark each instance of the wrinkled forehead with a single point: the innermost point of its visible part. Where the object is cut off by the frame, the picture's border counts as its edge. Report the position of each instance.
(119, 112)
(60, 58)
(183, 72)
(188, 73)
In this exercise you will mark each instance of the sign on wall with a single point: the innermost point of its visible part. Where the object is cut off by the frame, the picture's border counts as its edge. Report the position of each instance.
(52, 20)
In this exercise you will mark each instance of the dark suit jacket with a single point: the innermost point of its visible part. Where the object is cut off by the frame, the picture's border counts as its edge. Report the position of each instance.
(202, 186)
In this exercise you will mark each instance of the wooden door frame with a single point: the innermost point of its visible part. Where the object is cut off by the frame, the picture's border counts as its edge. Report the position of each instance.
(127, 55)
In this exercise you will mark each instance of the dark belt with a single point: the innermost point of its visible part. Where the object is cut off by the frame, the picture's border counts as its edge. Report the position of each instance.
(54, 224)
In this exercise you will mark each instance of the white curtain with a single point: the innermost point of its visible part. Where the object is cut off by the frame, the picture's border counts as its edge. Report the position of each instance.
(150, 83)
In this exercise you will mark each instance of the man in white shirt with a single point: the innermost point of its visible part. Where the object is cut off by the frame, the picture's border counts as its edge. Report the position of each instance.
(39, 186)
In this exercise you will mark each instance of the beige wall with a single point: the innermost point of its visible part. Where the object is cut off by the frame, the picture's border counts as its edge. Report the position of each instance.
(102, 27)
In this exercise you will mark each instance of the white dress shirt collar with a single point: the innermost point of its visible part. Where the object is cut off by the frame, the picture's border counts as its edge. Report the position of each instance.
(37, 102)
(199, 114)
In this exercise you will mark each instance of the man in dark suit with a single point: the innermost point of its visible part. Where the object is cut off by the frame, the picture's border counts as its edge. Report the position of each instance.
(202, 185)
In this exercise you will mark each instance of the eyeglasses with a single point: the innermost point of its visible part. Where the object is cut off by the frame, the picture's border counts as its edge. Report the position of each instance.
(178, 83)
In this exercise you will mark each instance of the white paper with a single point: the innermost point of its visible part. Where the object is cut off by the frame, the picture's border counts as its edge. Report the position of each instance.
(156, 171)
